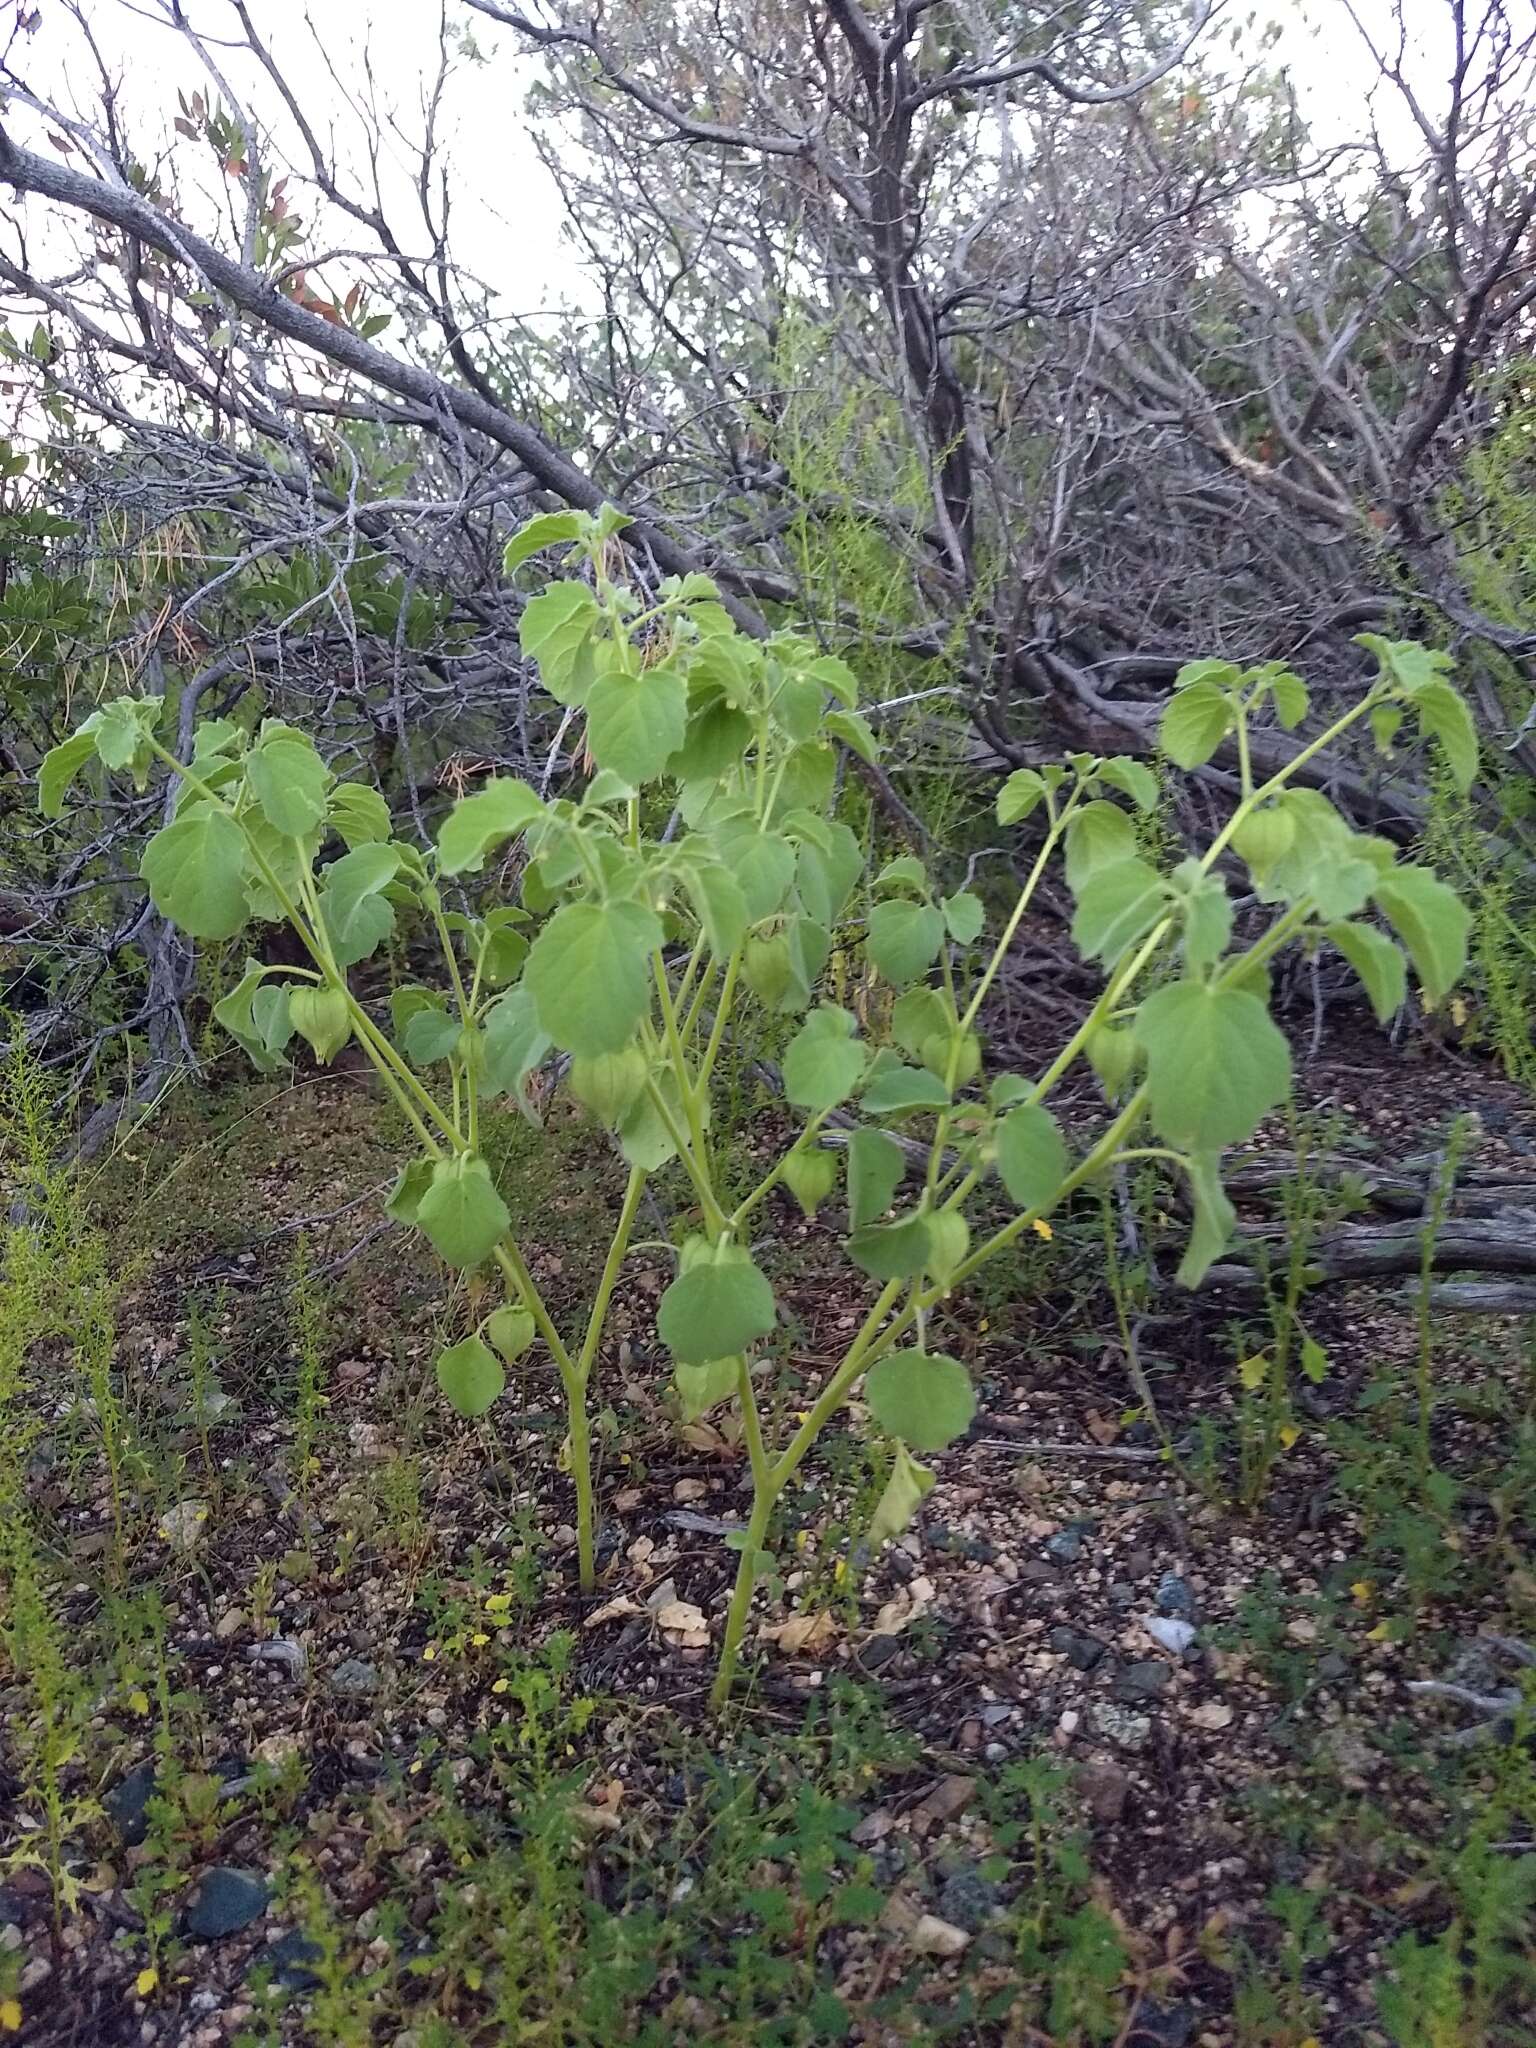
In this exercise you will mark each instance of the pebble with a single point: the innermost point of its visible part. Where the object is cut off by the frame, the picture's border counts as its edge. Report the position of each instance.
(230, 1623)
(968, 1899)
(1175, 1599)
(1146, 1680)
(288, 1958)
(1066, 1546)
(182, 1525)
(1473, 1666)
(286, 1651)
(125, 1804)
(1173, 1634)
(355, 1678)
(1349, 1753)
(1081, 1651)
(1131, 1731)
(1036, 1572)
(931, 1936)
(227, 1900)
(1105, 1787)
(1162, 2026)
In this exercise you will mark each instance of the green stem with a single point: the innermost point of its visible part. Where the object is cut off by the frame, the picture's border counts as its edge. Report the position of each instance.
(400, 1078)
(698, 1169)
(509, 1257)
(830, 1398)
(633, 1190)
(722, 1013)
(1000, 951)
(775, 1174)
(752, 1426)
(741, 1600)
(579, 1432)
(682, 1145)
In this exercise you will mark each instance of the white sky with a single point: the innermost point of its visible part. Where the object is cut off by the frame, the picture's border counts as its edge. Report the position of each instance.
(508, 218)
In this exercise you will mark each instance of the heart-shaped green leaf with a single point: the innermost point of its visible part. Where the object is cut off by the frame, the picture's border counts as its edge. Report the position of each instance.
(470, 1374)
(904, 938)
(1432, 923)
(358, 814)
(824, 1060)
(923, 1398)
(194, 869)
(60, 766)
(514, 1043)
(358, 915)
(1214, 1219)
(547, 530)
(476, 824)
(891, 1251)
(589, 974)
(1031, 1155)
(554, 630)
(1116, 906)
(716, 1308)
(461, 1212)
(900, 1091)
(287, 777)
(635, 722)
(1216, 1063)
(1377, 961)
(875, 1166)
(1195, 723)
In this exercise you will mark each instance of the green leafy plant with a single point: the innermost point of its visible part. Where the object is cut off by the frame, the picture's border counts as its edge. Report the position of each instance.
(635, 952)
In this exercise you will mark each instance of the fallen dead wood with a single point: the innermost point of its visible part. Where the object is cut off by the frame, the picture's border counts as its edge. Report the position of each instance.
(1384, 1251)
(1398, 1186)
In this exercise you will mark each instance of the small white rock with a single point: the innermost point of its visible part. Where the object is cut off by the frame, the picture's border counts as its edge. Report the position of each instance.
(1173, 1634)
(932, 1936)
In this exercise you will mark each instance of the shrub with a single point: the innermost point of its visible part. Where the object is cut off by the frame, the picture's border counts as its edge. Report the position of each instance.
(634, 952)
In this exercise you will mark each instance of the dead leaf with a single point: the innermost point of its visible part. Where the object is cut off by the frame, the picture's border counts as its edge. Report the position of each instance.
(620, 1609)
(903, 1608)
(598, 1820)
(682, 1619)
(608, 1792)
(804, 1635)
